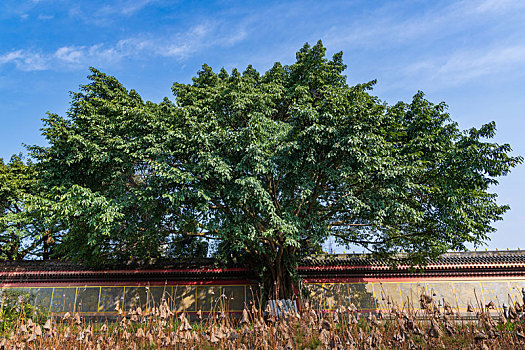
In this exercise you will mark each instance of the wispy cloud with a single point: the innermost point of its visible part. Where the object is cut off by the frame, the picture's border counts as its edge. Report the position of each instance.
(11, 57)
(65, 57)
(108, 13)
(465, 65)
(45, 17)
(124, 7)
(28, 8)
(441, 40)
(499, 5)
(442, 45)
(180, 45)
(26, 61)
(391, 26)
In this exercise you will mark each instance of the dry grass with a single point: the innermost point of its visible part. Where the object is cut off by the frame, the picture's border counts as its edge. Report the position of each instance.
(431, 327)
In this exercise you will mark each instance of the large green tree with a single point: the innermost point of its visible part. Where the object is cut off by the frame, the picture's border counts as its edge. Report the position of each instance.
(271, 165)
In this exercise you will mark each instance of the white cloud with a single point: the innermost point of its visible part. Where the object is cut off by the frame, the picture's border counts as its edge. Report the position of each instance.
(492, 6)
(70, 54)
(26, 61)
(183, 44)
(442, 45)
(11, 57)
(179, 45)
(64, 57)
(473, 64)
(390, 26)
(465, 65)
(45, 17)
(107, 14)
(130, 7)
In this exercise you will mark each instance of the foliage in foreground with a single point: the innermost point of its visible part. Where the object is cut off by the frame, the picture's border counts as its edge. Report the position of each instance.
(16, 306)
(431, 328)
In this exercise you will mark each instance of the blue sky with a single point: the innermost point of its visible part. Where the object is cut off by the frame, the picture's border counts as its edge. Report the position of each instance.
(470, 54)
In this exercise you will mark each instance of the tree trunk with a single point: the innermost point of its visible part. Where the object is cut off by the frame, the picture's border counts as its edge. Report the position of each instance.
(47, 244)
(279, 279)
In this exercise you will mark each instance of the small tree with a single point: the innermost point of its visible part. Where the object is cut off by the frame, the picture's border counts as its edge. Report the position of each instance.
(24, 230)
(271, 165)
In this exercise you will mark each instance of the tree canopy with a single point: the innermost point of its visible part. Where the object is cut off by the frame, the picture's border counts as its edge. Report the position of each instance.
(24, 231)
(99, 169)
(269, 165)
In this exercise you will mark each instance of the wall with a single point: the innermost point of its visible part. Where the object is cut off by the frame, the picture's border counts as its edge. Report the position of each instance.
(366, 296)
(104, 300)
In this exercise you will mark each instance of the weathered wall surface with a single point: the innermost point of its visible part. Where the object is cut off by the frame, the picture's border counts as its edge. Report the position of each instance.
(106, 299)
(384, 295)
(365, 296)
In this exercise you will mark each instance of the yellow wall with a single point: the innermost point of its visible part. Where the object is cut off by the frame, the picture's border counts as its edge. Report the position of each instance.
(105, 299)
(383, 295)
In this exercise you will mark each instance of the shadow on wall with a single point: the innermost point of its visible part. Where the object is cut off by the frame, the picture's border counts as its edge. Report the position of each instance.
(108, 299)
(366, 297)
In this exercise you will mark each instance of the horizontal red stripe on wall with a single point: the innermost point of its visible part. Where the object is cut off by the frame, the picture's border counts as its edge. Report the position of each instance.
(51, 284)
(126, 272)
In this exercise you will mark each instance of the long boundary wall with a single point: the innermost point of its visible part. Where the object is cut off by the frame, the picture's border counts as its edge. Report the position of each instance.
(328, 282)
(365, 296)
